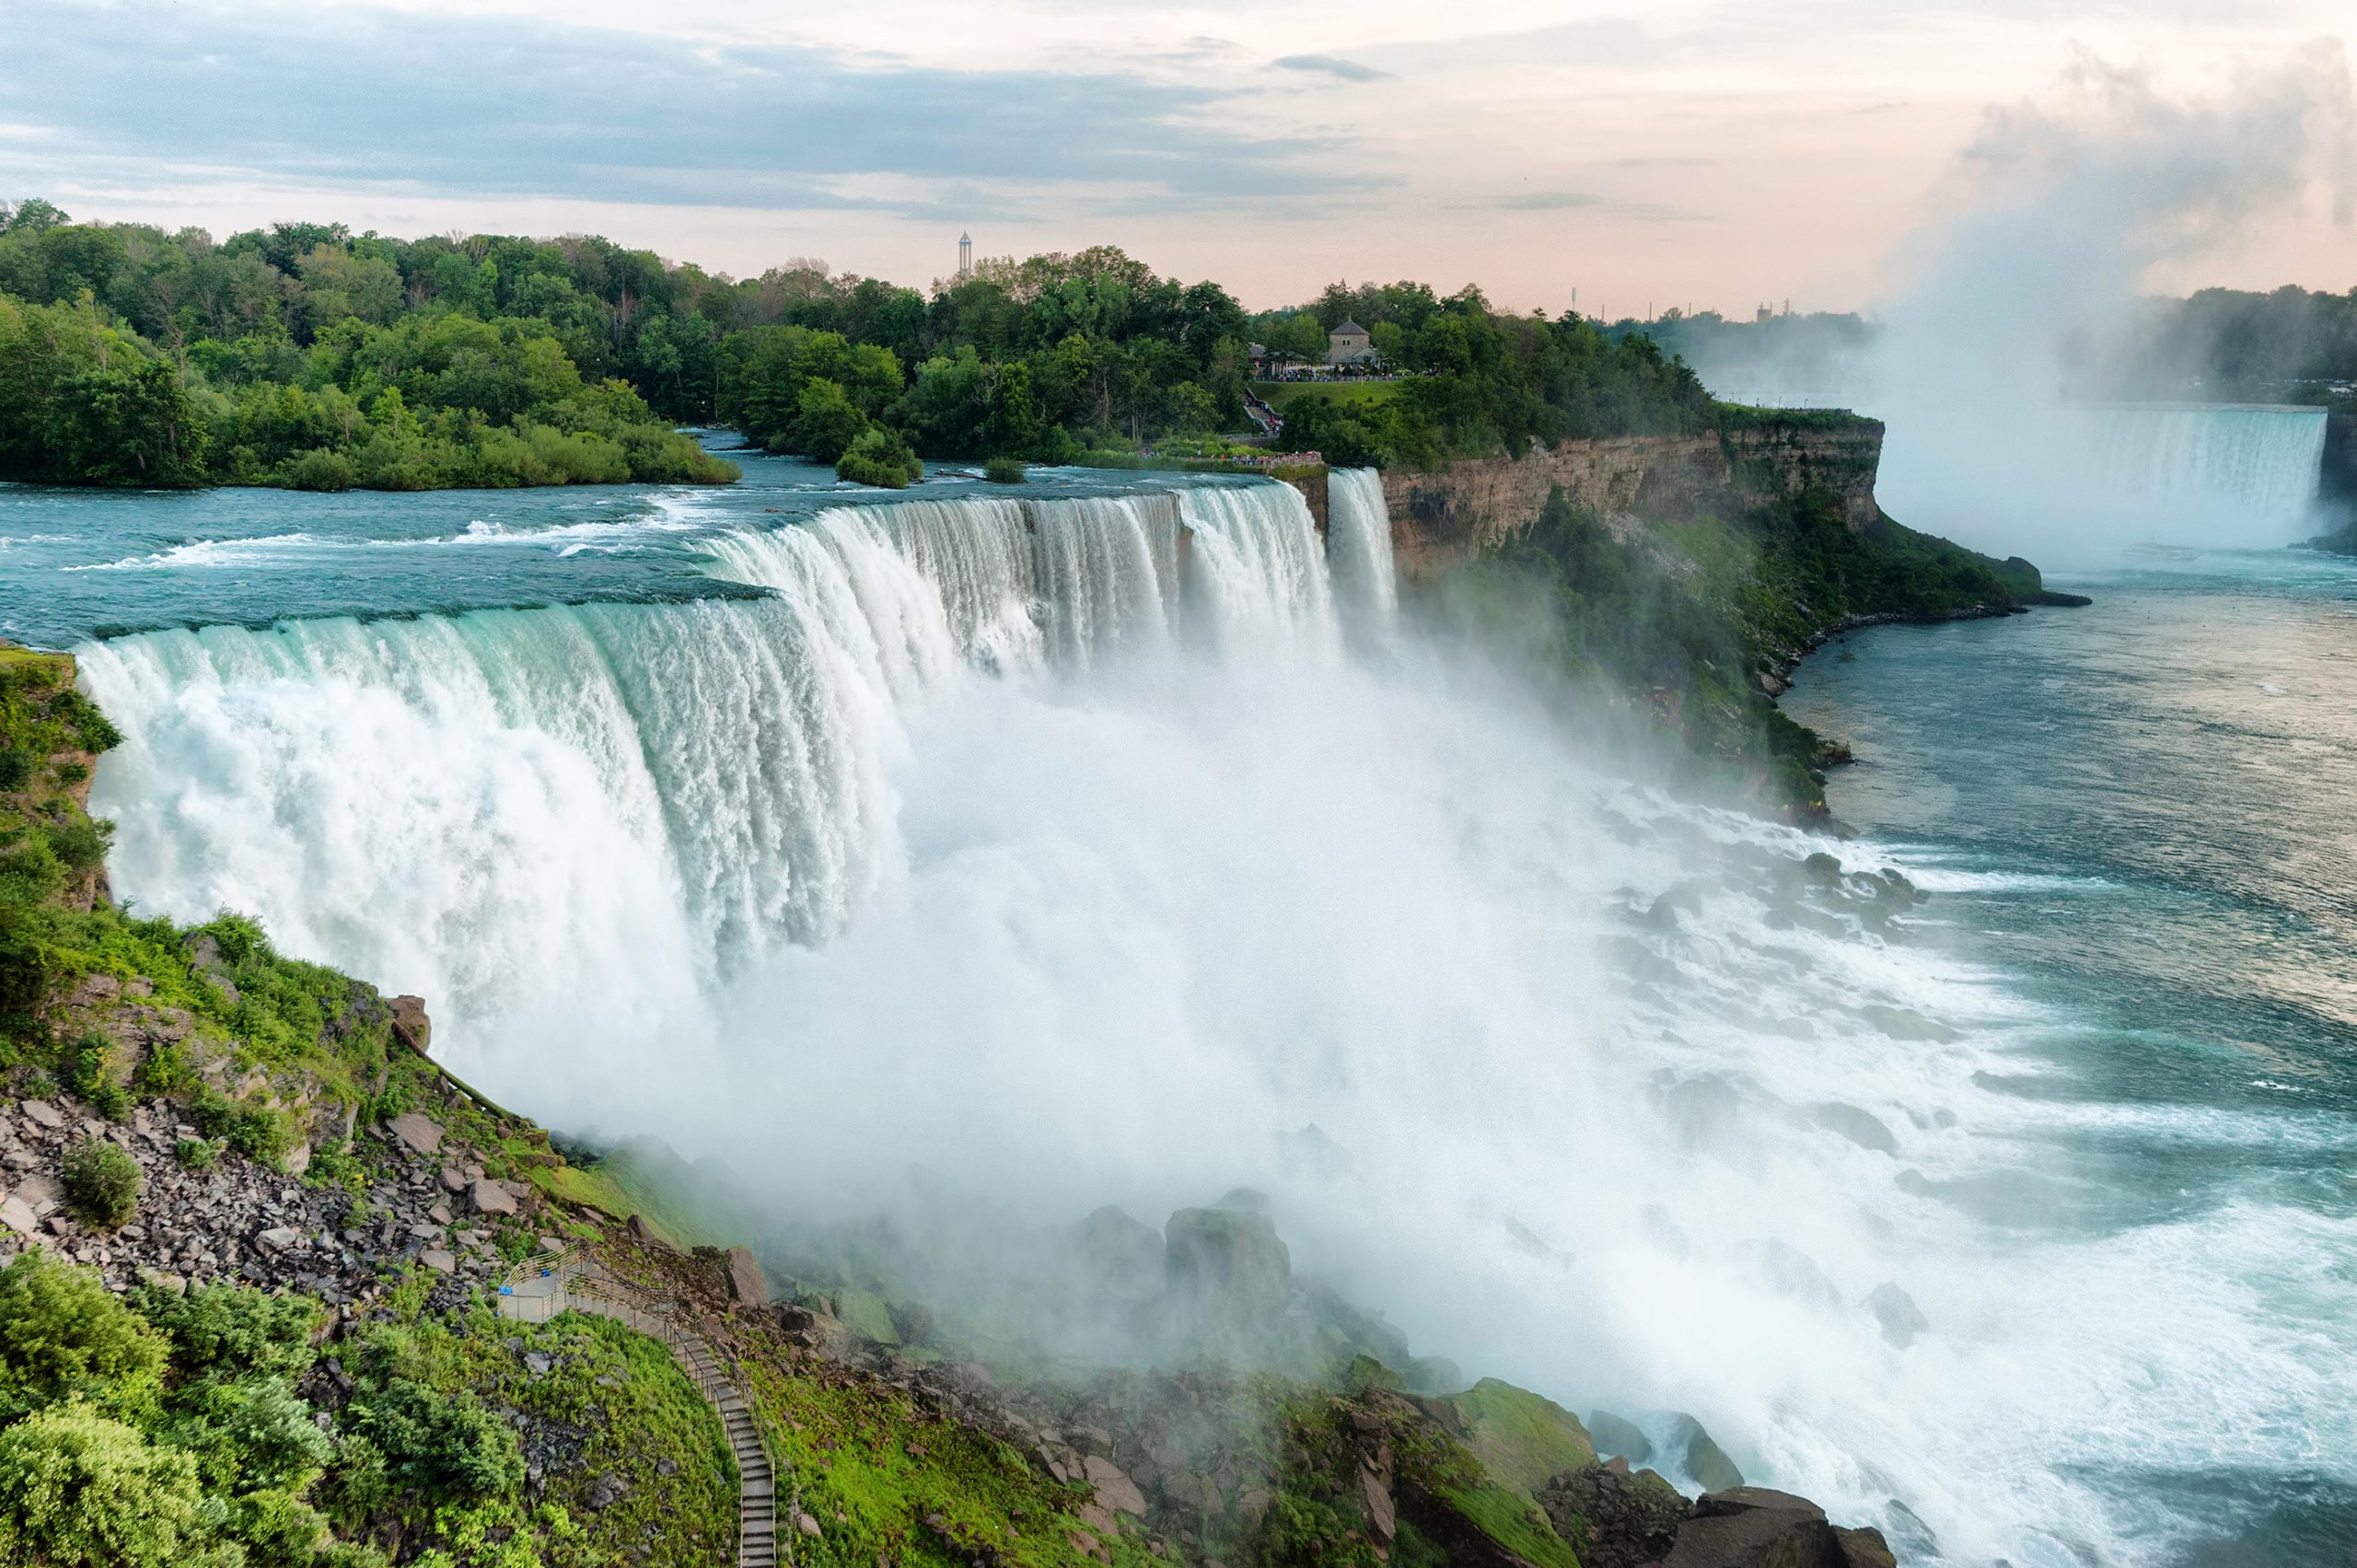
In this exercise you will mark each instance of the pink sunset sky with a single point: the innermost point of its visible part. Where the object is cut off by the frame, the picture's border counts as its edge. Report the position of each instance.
(1709, 155)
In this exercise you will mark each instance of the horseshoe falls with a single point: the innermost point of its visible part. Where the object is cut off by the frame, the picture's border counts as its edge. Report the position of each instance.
(1087, 843)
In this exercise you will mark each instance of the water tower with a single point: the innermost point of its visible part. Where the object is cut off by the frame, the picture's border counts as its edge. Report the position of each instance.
(965, 255)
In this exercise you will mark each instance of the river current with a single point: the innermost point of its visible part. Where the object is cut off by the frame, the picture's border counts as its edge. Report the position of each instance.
(1092, 842)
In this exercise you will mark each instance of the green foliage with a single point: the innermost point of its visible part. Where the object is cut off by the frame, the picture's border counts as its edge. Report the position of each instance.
(87, 1068)
(879, 458)
(62, 1335)
(102, 1184)
(80, 1491)
(1003, 471)
(197, 1154)
(255, 1130)
(233, 1328)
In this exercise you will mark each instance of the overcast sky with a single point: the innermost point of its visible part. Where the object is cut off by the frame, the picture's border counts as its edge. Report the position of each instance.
(1678, 152)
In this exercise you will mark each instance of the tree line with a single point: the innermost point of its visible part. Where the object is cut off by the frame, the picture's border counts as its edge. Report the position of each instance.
(304, 354)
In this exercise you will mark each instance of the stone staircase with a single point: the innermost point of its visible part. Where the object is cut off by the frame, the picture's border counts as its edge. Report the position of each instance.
(572, 1282)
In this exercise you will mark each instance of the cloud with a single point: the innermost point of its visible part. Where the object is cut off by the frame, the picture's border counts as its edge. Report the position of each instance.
(1329, 65)
(506, 107)
(1586, 200)
(1548, 200)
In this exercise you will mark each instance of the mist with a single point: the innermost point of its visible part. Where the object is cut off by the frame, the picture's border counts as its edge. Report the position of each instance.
(2023, 321)
(911, 931)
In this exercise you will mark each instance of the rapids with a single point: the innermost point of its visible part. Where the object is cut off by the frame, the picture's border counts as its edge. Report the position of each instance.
(1050, 843)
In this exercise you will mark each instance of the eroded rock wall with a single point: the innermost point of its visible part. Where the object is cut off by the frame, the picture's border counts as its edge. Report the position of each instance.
(1442, 516)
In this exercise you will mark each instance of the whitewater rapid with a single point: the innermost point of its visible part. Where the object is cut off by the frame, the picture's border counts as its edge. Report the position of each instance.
(1056, 848)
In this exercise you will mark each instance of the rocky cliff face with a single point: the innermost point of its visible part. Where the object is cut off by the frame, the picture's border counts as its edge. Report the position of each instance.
(1440, 517)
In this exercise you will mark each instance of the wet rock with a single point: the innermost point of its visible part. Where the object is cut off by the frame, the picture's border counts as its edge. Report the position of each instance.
(1114, 1488)
(416, 1132)
(1752, 1527)
(1701, 1458)
(1618, 1435)
(1905, 1023)
(412, 1026)
(1621, 1520)
(1228, 1265)
(1862, 1127)
(1792, 1271)
(746, 1281)
(1902, 1321)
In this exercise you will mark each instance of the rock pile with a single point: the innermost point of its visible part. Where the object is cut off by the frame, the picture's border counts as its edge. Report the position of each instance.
(240, 1219)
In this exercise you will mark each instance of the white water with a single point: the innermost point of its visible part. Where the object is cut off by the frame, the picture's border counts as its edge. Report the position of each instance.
(2195, 464)
(1358, 544)
(797, 883)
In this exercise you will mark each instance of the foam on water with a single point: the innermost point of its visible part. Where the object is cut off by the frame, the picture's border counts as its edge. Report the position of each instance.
(1053, 843)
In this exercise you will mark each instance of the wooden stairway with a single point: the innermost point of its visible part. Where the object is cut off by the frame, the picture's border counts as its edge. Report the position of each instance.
(586, 1288)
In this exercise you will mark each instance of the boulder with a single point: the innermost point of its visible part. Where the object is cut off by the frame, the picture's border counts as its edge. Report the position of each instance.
(1618, 1435)
(491, 1198)
(419, 1134)
(278, 1239)
(1752, 1527)
(1861, 1126)
(1902, 1321)
(410, 1025)
(746, 1281)
(46, 1114)
(1230, 1259)
(1702, 1459)
(17, 1216)
(299, 1160)
(1114, 1488)
(438, 1260)
(1521, 1437)
(1115, 1257)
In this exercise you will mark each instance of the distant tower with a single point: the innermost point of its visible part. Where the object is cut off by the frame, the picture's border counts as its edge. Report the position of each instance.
(965, 255)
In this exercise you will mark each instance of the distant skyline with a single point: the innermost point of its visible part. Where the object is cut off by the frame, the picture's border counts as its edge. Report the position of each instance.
(1716, 156)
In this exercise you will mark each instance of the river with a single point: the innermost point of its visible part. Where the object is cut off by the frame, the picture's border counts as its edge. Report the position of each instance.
(2138, 817)
(1010, 852)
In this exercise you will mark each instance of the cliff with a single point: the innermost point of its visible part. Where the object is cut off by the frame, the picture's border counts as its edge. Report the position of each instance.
(1686, 575)
(1444, 517)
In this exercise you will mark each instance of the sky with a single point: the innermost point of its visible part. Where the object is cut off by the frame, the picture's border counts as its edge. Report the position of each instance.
(1697, 152)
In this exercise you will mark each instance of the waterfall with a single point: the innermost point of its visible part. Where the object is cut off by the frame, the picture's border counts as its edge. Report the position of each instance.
(1358, 543)
(584, 817)
(2251, 462)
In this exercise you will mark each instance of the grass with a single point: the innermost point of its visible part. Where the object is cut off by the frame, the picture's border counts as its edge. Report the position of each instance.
(1524, 1440)
(1347, 394)
(881, 1474)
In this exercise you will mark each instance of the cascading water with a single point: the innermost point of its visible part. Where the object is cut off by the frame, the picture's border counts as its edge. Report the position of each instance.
(1358, 544)
(1618, 1110)
(2257, 465)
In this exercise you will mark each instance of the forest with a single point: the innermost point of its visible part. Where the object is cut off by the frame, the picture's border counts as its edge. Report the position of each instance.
(309, 356)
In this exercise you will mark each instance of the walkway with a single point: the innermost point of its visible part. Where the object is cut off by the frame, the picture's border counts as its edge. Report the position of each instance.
(546, 1286)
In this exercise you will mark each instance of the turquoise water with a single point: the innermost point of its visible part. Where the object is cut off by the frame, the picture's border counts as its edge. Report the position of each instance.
(1100, 839)
(78, 564)
(2144, 815)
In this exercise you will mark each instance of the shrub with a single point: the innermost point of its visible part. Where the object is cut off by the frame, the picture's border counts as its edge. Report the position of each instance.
(318, 470)
(102, 1184)
(880, 458)
(1003, 471)
(79, 1490)
(197, 1154)
(88, 1068)
(233, 1328)
(165, 1071)
(62, 1332)
(440, 1444)
(252, 1129)
(16, 768)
